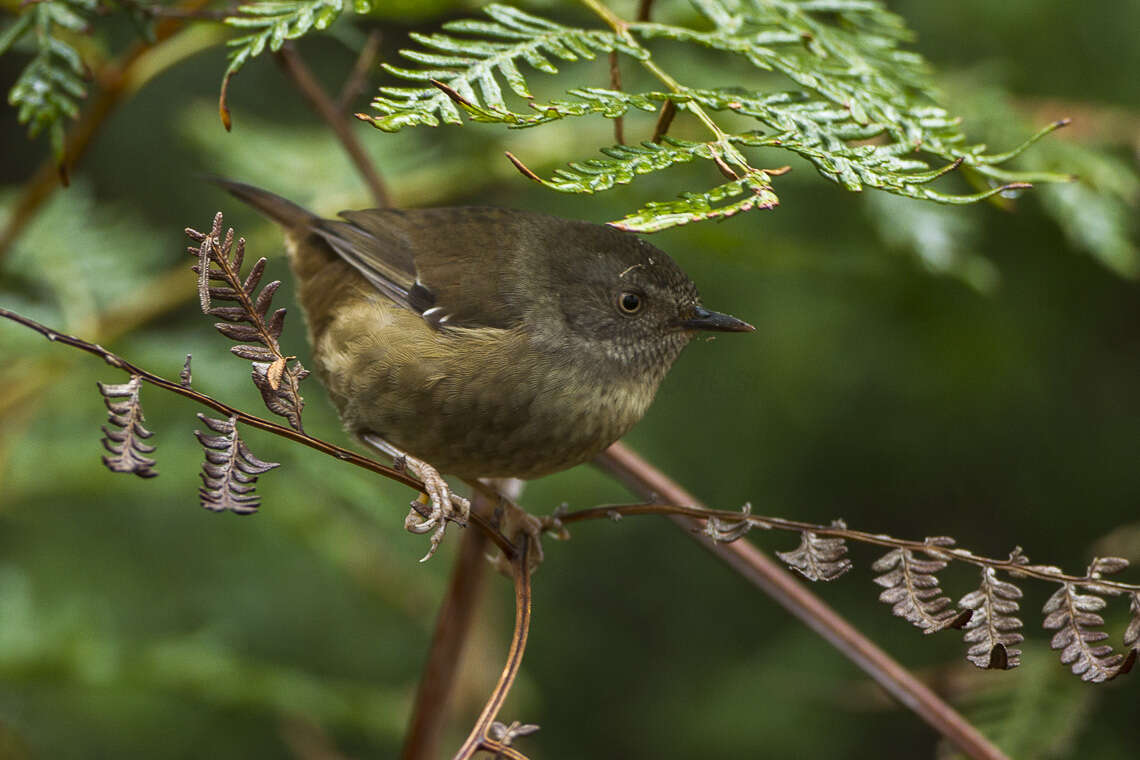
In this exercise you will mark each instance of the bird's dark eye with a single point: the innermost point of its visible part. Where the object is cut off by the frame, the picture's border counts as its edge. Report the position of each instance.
(629, 302)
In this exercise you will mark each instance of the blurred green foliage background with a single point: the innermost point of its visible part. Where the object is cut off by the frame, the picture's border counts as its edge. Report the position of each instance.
(916, 370)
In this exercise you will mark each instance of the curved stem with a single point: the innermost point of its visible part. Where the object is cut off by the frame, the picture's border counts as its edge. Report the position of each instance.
(478, 738)
(501, 750)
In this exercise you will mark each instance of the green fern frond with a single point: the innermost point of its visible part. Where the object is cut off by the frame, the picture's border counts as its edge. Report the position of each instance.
(271, 23)
(463, 64)
(50, 87)
(611, 104)
(626, 162)
(854, 103)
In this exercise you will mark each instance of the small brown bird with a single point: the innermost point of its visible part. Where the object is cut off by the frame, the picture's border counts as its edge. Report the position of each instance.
(487, 342)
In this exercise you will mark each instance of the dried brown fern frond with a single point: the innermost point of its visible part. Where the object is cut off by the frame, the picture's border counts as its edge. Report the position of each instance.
(1132, 632)
(818, 558)
(276, 375)
(125, 443)
(283, 399)
(1074, 617)
(913, 591)
(230, 471)
(992, 630)
(907, 571)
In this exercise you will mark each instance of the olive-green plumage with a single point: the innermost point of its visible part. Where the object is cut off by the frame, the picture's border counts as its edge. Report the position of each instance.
(487, 342)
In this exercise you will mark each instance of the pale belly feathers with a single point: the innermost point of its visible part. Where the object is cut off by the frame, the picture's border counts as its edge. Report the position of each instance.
(488, 416)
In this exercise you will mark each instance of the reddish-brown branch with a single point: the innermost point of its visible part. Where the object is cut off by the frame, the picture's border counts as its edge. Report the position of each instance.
(664, 120)
(453, 623)
(650, 483)
(615, 84)
(479, 738)
(328, 110)
(486, 524)
(644, 8)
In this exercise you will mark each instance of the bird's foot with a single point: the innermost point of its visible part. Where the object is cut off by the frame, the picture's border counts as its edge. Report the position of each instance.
(436, 506)
(445, 506)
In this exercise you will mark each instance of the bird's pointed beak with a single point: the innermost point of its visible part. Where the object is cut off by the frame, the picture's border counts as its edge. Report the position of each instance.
(703, 319)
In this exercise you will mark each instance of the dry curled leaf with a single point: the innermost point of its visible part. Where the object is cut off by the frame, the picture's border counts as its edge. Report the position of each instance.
(992, 630)
(1074, 617)
(726, 531)
(818, 558)
(281, 400)
(125, 443)
(1132, 632)
(230, 471)
(1102, 566)
(249, 322)
(913, 593)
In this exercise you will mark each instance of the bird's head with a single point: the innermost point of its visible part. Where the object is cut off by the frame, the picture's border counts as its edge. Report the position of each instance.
(619, 299)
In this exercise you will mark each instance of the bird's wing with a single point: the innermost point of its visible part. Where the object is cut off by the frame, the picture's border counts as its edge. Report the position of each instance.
(374, 247)
(448, 265)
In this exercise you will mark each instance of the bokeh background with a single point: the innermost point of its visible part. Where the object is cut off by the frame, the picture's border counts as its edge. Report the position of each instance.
(916, 370)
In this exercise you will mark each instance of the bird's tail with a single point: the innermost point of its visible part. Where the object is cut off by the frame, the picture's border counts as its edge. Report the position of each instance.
(285, 212)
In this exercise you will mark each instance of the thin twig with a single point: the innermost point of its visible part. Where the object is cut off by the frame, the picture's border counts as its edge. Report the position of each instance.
(668, 108)
(1012, 566)
(358, 78)
(615, 84)
(157, 296)
(453, 623)
(328, 110)
(650, 483)
(664, 120)
(486, 524)
(500, 750)
(479, 738)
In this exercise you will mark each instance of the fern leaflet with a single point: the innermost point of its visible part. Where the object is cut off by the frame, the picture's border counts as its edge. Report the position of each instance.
(50, 87)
